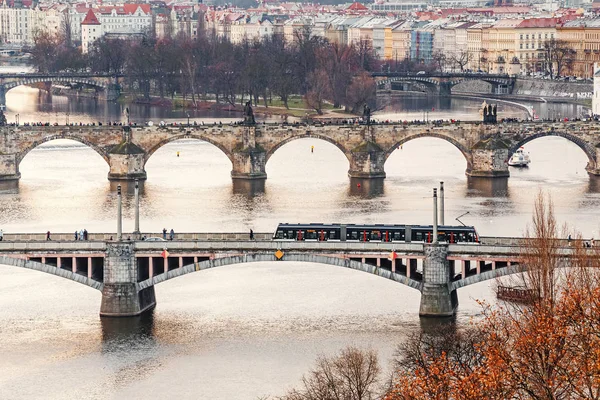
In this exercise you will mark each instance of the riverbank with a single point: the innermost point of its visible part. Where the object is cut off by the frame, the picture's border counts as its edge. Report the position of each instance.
(276, 107)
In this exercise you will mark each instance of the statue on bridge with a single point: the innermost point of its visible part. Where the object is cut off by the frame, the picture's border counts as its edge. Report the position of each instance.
(249, 114)
(3, 121)
(367, 114)
(489, 113)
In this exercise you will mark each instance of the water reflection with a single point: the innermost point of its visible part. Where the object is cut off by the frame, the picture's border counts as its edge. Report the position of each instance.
(487, 187)
(366, 188)
(127, 330)
(248, 187)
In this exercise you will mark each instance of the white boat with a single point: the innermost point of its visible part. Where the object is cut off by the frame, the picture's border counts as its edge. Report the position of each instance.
(519, 159)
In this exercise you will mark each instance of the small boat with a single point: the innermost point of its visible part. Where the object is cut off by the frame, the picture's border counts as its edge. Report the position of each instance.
(519, 159)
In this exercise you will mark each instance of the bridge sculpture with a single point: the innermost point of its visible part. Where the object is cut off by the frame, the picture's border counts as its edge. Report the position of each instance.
(486, 148)
(108, 83)
(442, 83)
(127, 271)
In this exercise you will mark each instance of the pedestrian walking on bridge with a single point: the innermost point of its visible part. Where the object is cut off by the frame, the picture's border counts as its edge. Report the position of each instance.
(48, 235)
(172, 234)
(76, 235)
(1, 235)
(251, 234)
(165, 233)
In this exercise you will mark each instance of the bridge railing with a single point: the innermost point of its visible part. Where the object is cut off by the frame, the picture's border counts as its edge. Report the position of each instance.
(206, 236)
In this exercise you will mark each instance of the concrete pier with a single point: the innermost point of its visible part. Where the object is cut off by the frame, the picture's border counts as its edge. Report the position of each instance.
(120, 294)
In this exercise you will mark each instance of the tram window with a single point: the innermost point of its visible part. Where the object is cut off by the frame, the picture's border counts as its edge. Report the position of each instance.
(375, 235)
(352, 235)
(332, 235)
(396, 236)
(470, 236)
(279, 235)
(291, 235)
(417, 236)
(311, 234)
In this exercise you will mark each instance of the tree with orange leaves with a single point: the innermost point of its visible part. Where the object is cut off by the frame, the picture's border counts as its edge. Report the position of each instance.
(547, 350)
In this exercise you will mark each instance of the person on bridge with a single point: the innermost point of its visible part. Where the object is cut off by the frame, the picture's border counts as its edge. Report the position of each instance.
(1, 235)
(81, 234)
(48, 235)
(85, 234)
(251, 234)
(172, 234)
(76, 235)
(165, 233)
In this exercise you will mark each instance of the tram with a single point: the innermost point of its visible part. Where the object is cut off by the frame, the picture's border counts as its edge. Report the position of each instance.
(375, 233)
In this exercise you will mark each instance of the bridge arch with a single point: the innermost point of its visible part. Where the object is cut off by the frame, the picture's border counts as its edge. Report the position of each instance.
(84, 141)
(307, 135)
(201, 137)
(55, 79)
(589, 151)
(297, 257)
(486, 276)
(51, 269)
(465, 152)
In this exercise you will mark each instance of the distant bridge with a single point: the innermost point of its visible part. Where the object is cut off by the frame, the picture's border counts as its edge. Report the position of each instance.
(126, 272)
(486, 148)
(442, 83)
(109, 83)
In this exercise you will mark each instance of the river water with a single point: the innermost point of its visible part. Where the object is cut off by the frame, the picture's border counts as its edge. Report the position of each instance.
(251, 330)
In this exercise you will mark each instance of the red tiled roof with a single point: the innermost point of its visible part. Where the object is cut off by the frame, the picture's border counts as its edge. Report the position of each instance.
(356, 6)
(538, 23)
(90, 19)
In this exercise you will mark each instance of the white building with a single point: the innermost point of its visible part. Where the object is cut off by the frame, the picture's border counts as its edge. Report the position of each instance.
(124, 19)
(16, 25)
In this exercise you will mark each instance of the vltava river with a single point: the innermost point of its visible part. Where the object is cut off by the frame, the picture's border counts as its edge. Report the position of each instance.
(251, 330)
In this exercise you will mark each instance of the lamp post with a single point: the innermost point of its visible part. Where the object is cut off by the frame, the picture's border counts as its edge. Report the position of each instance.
(188, 117)
(136, 231)
(119, 215)
(17, 119)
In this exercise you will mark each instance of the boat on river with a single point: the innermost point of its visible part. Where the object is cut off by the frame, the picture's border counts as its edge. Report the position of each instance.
(519, 159)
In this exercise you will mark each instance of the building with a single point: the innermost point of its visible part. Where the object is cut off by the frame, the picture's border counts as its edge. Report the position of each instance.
(596, 97)
(126, 19)
(583, 37)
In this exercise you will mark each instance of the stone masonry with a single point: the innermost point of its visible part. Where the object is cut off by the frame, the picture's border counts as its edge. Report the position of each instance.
(486, 148)
(437, 296)
(120, 294)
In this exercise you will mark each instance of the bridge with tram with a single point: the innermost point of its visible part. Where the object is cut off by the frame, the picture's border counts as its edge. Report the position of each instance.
(126, 271)
(127, 149)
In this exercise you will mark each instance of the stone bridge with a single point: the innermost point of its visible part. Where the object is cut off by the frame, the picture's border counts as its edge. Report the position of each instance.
(126, 272)
(442, 83)
(486, 148)
(101, 82)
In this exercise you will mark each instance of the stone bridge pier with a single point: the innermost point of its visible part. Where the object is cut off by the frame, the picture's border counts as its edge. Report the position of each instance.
(3, 97)
(121, 296)
(438, 299)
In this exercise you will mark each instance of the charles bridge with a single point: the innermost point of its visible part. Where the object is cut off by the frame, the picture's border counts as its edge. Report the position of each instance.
(127, 149)
(127, 271)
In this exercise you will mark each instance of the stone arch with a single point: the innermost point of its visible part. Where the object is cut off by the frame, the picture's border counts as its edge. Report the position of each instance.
(51, 269)
(465, 152)
(55, 79)
(306, 135)
(79, 139)
(264, 257)
(589, 151)
(203, 138)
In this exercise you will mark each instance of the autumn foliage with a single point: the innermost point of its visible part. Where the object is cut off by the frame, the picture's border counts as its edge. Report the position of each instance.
(549, 349)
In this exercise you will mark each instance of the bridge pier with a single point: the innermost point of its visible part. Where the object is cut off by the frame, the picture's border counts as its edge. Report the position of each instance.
(489, 159)
(120, 295)
(113, 91)
(437, 299)
(367, 162)
(126, 160)
(2, 97)
(9, 168)
(249, 160)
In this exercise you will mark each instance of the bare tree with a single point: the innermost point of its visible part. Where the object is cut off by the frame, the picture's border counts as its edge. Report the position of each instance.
(461, 59)
(439, 60)
(556, 55)
(351, 375)
(66, 28)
